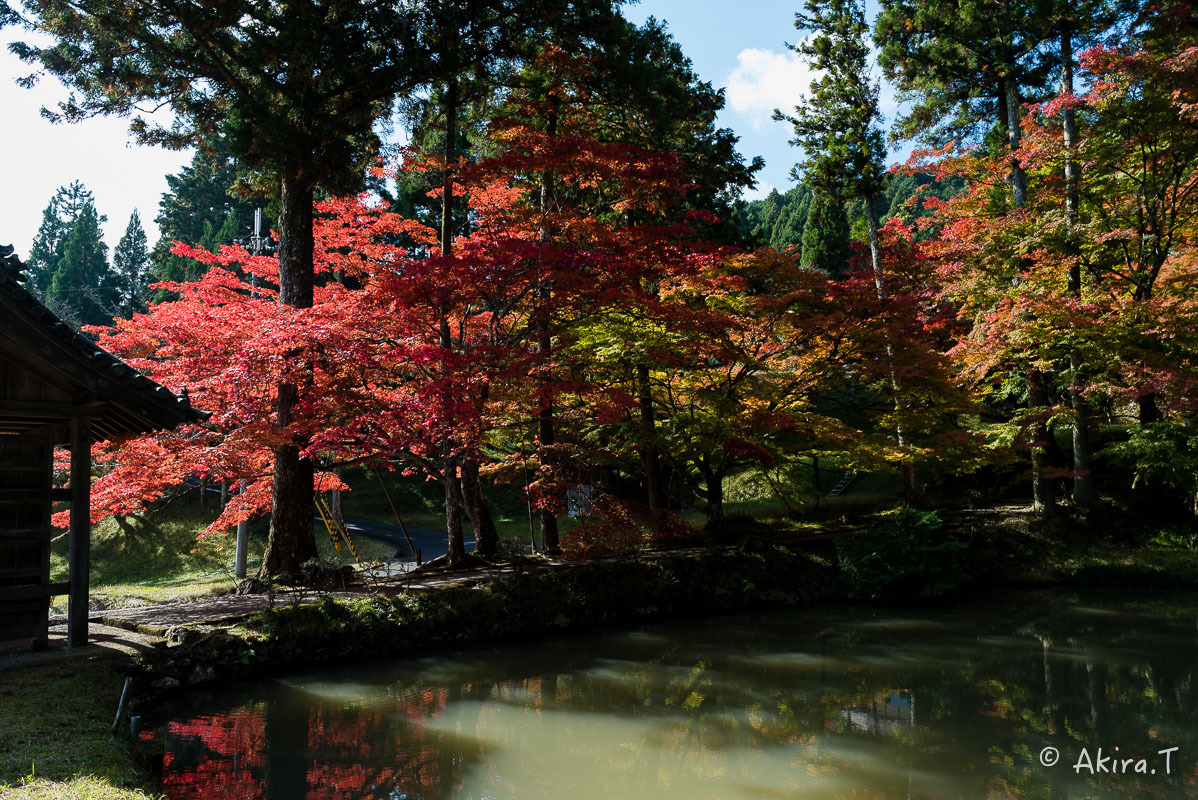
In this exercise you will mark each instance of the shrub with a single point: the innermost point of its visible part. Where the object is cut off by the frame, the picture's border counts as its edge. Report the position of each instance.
(907, 556)
(612, 526)
(607, 528)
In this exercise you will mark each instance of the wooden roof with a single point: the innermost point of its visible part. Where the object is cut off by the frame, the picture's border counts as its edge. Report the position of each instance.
(50, 373)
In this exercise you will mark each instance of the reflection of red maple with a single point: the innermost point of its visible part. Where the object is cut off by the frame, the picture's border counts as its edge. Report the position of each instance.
(351, 753)
(224, 757)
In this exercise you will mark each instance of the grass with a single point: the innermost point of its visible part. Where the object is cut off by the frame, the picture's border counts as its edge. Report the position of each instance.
(82, 788)
(158, 557)
(56, 720)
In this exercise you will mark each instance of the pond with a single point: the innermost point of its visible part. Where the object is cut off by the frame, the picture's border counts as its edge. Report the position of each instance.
(1020, 695)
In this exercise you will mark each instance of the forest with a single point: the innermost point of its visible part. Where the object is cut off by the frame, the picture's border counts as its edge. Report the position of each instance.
(555, 287)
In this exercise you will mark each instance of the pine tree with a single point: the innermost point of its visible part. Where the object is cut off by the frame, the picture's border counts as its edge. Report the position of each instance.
(967, 66)
(58, 217)
(201, 196)
(826, 237)
(130, 265)
(792, 222)
(839, 128)
(83, 290)
(296, 88)
(46, 251)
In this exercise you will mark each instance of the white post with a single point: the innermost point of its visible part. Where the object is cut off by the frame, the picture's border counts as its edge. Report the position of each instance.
(243, 539)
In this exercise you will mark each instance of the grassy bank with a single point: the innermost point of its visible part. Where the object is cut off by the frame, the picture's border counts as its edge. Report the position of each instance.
(56, 745)
(161, 556)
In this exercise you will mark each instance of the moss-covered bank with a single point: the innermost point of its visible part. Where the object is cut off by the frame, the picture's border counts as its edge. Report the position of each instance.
(907, 555)
(529, 604)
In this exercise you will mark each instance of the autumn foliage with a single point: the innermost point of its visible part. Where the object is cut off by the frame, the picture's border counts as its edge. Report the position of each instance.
(579, 327)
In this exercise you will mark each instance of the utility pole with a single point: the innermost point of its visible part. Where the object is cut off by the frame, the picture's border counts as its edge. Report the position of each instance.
(257, 244)
(243, 540)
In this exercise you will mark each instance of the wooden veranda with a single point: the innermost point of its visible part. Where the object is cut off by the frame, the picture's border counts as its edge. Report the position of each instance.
(57, 389)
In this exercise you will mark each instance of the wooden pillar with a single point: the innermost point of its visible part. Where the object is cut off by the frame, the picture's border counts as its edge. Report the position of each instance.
(81, 530)
(41, 639)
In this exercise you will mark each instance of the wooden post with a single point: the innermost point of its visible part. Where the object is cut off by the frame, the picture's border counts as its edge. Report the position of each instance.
(41, 639)
(80, 551)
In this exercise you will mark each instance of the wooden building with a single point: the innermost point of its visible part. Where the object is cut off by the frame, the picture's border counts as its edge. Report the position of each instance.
(57, 389)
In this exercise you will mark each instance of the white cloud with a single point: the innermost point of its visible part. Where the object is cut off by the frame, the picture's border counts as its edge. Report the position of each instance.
(764, 80)
(758, 192)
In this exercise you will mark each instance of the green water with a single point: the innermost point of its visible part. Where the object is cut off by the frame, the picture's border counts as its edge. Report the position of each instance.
(915, 702)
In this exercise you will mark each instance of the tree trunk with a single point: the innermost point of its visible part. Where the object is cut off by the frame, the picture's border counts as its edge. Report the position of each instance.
(1084, 496)
(453, 511)
(649, 455)
(451, 135)
(485, 536)
(715, 498)
(291, 542)
(1149, 412)
(449, 466)
(815, 478)
(338, 501)
(900, 432)
(1014, 138)
(1043, 497)
(1069, 118)
(550, 542)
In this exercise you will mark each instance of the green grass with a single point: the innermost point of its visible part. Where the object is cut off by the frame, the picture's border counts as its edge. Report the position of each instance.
(56, 721)
(159, 557)
(156, 557)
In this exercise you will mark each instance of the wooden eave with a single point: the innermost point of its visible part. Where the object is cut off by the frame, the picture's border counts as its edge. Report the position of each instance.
(118, 399)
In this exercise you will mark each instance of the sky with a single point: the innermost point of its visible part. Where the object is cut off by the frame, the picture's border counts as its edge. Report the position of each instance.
(738, 45)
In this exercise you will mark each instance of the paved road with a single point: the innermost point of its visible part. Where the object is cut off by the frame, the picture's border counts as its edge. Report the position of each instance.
(430, 542)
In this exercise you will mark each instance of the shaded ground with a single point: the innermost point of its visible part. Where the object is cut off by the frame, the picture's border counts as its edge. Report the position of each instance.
(104, 640)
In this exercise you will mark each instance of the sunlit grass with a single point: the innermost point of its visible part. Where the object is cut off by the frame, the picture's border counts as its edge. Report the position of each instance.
(160, 556)
(82, 788)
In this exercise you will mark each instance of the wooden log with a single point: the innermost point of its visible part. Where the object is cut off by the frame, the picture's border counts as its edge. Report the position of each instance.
(34, 495)
(36, 591)
(27, 534)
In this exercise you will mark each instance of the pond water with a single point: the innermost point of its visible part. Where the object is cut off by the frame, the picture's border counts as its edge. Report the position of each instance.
(918, 702)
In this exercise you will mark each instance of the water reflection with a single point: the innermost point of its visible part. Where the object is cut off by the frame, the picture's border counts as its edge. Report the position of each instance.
(921, 703)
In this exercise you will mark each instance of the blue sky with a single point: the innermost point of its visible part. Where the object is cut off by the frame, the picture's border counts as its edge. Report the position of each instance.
(738, 45)
(741, 47)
